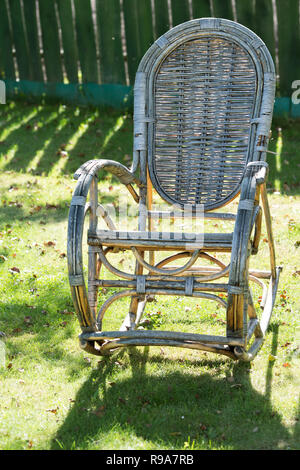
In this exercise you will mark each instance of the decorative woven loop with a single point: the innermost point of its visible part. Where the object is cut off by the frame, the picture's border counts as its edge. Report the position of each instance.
(78, 201)
(76, 280)
(189, 286)
(140, 284)
(235, 290)
(246, 204)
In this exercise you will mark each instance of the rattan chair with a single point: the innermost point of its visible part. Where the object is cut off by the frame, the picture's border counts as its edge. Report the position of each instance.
(203, 103)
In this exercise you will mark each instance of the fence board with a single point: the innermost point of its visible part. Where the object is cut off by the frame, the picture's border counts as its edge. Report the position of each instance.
(264, 24)
(180, 11)
(19, 39)
(162, 23)
(30, 18)
(27, 63)
(139, 32)
(245, 12)
(6, 44)
(86, 41)
(201, 9)
(111, 55)
(288, 44)
(51, 47)
(223, 9)
(68, 39)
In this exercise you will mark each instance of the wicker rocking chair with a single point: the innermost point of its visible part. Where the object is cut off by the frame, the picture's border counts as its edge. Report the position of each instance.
(203, 103)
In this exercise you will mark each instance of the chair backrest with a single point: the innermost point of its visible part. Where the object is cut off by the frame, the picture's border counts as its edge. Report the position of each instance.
(203, 95)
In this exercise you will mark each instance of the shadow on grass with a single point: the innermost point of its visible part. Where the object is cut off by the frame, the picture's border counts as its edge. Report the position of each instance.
(37, 135)
(62, 137)
(175, 409)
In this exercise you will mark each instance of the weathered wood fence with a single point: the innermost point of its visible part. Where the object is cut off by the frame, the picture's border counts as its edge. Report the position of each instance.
(87, 51)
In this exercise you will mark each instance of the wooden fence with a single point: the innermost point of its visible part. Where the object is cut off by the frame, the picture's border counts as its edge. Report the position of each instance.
(89, 50)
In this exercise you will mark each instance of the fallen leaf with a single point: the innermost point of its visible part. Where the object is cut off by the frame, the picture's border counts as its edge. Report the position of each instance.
(286, 364)
(50, 243)
(14, 269)
(35, 209)
(66, 312)
(28, 320)
(99, 411)
(53, 410)
(17, 330)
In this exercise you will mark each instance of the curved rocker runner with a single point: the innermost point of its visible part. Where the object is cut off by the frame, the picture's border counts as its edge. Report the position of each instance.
(203, 104)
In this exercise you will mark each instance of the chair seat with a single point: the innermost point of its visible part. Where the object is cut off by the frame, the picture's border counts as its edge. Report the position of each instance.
(162, 240)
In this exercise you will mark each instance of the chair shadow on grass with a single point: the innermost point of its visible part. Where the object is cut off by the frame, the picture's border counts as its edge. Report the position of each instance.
(175, 409)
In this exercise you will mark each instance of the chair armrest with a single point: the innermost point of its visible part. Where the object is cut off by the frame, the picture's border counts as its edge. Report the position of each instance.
(259, 170)
(255, 175)
(92, 168)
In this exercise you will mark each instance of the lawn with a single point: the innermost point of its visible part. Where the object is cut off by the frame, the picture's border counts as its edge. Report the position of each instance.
(56, 396)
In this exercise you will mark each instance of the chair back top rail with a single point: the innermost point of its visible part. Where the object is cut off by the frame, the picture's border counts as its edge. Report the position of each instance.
(203, 104)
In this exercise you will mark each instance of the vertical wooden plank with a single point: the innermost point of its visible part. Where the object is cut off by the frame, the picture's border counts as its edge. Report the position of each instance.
(201, 9)
(30, 16)
(264, 24)
(180, 11)
(223, 9)
(6, 44)
(19, 39)
(138, 31)
(51, 47)
(86, 41)
(288, 44)
(112, 67)
(245, 12)
(68, 39)
(162, 23)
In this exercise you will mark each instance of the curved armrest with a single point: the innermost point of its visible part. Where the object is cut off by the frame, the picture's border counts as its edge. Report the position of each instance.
(259, 170)
(255, 175)
(92, 167)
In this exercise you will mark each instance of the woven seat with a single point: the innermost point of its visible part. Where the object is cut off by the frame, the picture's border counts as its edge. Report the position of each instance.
(203, 103)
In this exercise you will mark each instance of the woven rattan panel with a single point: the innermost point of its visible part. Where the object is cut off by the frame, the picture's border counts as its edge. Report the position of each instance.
(204, 96)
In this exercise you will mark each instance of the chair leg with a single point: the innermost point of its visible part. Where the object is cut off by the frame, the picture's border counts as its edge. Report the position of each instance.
(260, 329)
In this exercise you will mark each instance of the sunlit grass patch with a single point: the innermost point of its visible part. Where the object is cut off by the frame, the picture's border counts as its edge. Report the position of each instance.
(56, 396)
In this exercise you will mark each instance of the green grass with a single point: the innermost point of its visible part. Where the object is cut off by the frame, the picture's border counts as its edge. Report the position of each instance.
(56, 396)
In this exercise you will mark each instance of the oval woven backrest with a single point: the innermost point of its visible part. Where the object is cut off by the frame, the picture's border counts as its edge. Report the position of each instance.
(204, 89)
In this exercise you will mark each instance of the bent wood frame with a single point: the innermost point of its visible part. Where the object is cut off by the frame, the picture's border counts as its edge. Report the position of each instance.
(245, 332)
